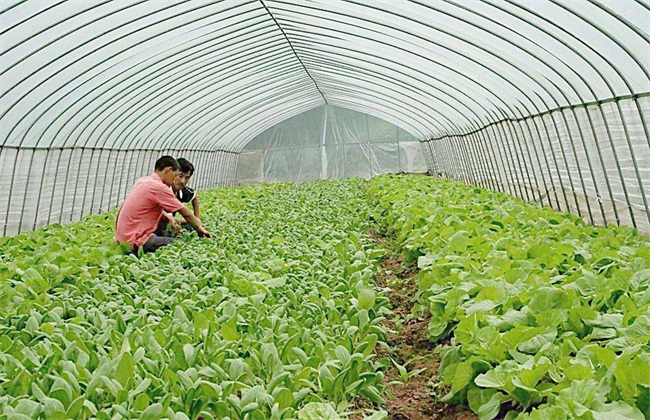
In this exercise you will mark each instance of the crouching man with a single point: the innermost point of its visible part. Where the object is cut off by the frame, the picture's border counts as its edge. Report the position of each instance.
(140, 213)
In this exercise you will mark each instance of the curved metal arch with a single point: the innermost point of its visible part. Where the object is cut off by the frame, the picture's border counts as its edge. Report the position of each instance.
(22, 22)
(415, 111)
(291, 46)
(612, 91)
(240, 145)
(56, 175)
(107, 58)
(263, 125)
(579, 96)
(577, 93)
(302, 100)
(553, 99)
(581, 178)
(285, 63)
(274, 74)
(489, 52)
(350, 70)
(494, 73)
(288, 92)
(18, 3)
(627, 136)
(188, 94)
(610, 36)
(288, 67)
(378, 112)
(348, 73)
(221, 63)
(42, 47)
(621, 19)
(590, 166)
(234, 123)
(140, 83)
(122, 92)
(523, 50)
(458, 37)
(349, 66)
(359, 52)
(571, 35)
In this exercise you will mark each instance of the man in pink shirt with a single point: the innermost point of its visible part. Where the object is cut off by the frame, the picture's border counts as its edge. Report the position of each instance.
(140, 213)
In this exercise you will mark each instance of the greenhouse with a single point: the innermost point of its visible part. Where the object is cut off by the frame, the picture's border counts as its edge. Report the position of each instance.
(409, 209)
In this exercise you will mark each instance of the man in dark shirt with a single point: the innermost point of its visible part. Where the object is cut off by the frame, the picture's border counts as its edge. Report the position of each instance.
(184, 194)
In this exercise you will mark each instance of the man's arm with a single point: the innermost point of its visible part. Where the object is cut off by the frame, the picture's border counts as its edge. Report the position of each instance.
(172, 222)
(194, 221)
(195, 206)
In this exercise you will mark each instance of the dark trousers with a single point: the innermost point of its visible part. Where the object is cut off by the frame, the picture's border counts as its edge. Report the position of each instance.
(155, 242)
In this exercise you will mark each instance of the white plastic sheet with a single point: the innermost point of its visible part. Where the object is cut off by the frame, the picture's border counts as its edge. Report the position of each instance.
(516, 94)
(329, 142)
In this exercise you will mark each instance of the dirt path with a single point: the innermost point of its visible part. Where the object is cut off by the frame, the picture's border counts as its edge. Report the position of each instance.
(416, 398)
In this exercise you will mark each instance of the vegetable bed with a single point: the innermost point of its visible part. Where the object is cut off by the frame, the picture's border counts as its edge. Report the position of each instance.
(277, 316)
(547, 315)
(273, 313)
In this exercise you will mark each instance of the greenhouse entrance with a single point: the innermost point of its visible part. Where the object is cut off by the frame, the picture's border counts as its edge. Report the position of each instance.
(330, 142)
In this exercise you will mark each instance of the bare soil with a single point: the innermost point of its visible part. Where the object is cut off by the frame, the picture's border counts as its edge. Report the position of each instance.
(416, 398)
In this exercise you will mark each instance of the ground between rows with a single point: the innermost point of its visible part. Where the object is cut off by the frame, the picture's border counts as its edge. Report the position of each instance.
(417, 397)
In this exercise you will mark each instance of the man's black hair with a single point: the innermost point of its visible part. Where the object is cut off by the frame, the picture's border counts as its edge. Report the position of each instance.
(166, 162)
(185, 166)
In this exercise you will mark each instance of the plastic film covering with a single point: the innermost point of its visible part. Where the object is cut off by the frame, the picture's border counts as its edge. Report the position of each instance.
(601, 173)
(65, 184)
(329, 142)
(546, 100)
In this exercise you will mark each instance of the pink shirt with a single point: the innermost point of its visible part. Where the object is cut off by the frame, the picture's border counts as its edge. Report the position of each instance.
(140, 213)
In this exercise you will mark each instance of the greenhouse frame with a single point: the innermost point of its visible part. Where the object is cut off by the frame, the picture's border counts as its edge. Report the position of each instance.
(548, 103)
(325, 209)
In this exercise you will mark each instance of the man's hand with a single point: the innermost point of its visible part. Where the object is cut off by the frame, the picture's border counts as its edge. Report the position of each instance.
(195, 222)
(204, 233)
(175, 226)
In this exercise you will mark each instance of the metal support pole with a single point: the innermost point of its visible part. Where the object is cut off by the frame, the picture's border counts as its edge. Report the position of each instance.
(566, 165)
(603, 167)
(557, 167)
(494, 163)
(519, 153)
(505, 160)
(486, 171)
(56, 178)
(577, 161)
(533, 141)
(465, 160)
(477, 160)
(514, 160)
(635, 166)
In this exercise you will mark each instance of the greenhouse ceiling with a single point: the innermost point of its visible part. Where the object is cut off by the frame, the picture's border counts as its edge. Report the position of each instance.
(211, 75)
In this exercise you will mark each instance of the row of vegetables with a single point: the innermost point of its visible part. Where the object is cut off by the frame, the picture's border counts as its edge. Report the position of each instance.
(277, 316)
(546, 315)
(274, 317)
